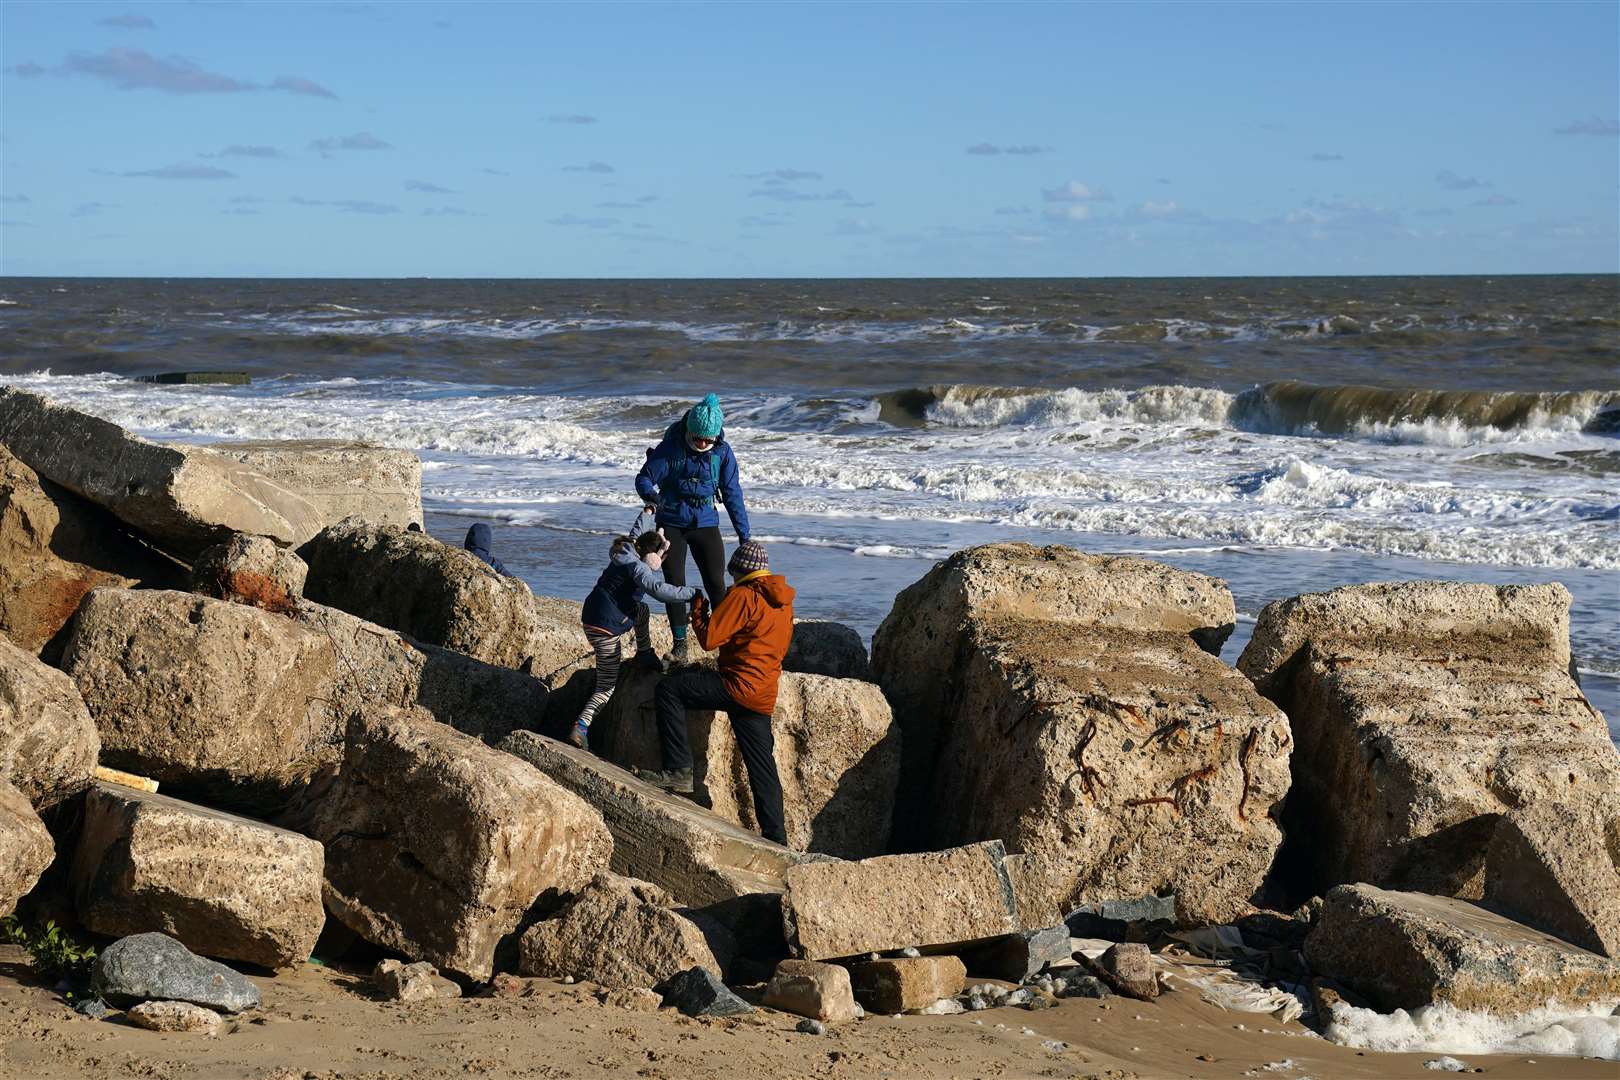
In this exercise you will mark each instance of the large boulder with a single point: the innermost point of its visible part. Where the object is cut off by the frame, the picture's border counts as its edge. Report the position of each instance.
(376, 666)
(155, 967)
(1405, 950)
(48, 743)
(436, 845)
(827, 648)
(1423, 711)
(252, 570)
(700, 859)
(834, 909)
(410, 582)
(340, 479)
(54, 548)
(837, 753)
(26, 848)
(621, 933)
(1558, 872)
(185, 498)
(224, 886)
(201, 693)
(1068, 705)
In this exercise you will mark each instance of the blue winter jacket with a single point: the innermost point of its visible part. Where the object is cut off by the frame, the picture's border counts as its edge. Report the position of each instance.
(683, 483)
(619, 592)
(478, 543)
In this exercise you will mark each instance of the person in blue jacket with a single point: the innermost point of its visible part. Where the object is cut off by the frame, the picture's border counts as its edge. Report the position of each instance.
(617, 605)
(477, 542)
(685, 475)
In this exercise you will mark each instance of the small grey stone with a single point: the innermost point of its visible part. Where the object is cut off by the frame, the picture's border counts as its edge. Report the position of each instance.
(1085, 986)
(1020, 996)
(155, 967)
(910, 951)
(94, 1008)
(975, 1003)
(696, 992)
(810, 1027)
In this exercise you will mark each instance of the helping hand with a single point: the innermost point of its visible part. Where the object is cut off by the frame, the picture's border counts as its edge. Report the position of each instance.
(700, 606)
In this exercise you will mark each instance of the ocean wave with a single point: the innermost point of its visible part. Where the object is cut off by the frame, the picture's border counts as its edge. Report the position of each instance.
(1426, 416)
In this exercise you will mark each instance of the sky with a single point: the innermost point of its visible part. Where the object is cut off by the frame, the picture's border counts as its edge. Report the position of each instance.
(816, 139)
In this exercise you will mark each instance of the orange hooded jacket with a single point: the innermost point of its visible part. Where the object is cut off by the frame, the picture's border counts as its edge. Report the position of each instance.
(752, 627)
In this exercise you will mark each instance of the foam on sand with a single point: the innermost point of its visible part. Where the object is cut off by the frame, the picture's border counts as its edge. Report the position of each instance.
(1555, 1030)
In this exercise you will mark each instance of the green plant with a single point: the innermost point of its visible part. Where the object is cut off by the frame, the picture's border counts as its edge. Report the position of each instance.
(55, 953)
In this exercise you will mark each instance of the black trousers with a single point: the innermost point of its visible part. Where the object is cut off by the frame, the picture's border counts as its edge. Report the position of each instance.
(702, 689)
(710, 552)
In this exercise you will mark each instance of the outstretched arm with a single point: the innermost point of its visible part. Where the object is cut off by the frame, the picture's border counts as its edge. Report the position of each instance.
(731, 491)
(654, 585)
(653, 470)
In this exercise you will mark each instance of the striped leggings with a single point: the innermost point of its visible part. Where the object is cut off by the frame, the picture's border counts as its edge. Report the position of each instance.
(609, 655)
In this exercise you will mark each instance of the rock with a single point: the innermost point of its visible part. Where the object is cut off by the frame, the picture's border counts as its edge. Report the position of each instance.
(827, 648)
(181, 1016)
(224, 886)
(819, 991)
(701, 860)
(1126, 762)
(436, 844)
(1017, 957)
(1405, 950)
(1088, 986)
(410, 582)
(251, 570)
(54, 548)
(810, 1027)
(907, 983)
(48, 743)
(942, 1007)
(561, 658)
(376, 666)
(26, 848)
(155, 967)
(837, 753)
(421, 981)
(698, 992)
(339, 479)
(92, 1008)
(200, 693)
(1122, 920)
(1553, 870)
(185, 498)
(1128, 968)
(620, 932)
(1423, 711)
(837, 909)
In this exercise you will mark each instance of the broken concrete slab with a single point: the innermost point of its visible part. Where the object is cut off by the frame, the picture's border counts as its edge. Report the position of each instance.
(54, 548)
(1405, 950)
(185, 498)
(202, 694)
(1423, 711)
(223, 886)
(26, 848)
(622, 933)
(900, 984)
(252, 570)
(48, 742)
(340, 479)
(841, 909)
(808, 988)
(436, 845)
(1554, 870)
(410, 582)
(701, 860)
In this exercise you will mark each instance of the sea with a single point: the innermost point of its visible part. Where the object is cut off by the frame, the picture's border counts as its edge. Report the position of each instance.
(1287, 435)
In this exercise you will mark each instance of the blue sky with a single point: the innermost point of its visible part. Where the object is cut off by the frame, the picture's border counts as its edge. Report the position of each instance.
(336, 139)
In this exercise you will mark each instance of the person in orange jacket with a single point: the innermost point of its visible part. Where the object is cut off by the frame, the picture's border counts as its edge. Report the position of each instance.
(751, 627)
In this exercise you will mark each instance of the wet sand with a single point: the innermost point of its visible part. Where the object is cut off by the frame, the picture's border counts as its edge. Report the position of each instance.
(320, 1023)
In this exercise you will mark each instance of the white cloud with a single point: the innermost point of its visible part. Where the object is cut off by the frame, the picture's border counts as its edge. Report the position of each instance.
(1075, 192)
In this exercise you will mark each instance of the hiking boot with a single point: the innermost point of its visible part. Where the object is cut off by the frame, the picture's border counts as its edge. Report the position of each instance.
(677, 780)
(580, 736)
(647, 660)
(682, 655)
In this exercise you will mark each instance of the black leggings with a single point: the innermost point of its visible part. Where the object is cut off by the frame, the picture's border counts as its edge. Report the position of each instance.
(709, 551)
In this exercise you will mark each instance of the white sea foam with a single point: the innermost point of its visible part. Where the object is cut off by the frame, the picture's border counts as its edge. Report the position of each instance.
(1579, 1032)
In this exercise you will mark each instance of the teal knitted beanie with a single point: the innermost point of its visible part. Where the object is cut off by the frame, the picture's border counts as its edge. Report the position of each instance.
(705, 419)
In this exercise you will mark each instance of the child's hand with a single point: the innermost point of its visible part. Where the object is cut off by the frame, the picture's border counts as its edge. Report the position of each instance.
(654, 559)
(700, 606)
